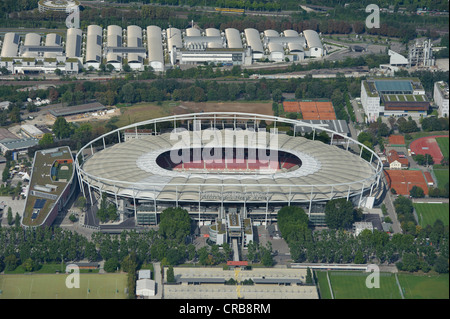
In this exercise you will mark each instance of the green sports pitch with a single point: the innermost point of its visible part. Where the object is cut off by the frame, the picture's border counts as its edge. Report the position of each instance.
(53, 286)
(352, 285)
(443, 145)
(428, 213)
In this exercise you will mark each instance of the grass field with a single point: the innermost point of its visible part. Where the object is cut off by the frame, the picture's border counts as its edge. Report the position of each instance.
(441, 176)
(428, 213)
(323, 284)
(40, 286)
(443, 145)
(424, 287)
(351, 285)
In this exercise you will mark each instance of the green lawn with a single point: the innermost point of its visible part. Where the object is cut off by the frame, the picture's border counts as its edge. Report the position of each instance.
(323, 284)
(424, 286)
(40, 286)
(441, 176)
(352, 285)
(428, 213)
(443, 145)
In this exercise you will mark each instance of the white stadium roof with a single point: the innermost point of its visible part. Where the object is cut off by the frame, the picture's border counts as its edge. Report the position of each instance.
(129, 169)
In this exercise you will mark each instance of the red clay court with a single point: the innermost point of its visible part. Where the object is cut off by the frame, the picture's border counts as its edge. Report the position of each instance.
(428, 145)
(403, 180)
(291, 106)
(317, 110)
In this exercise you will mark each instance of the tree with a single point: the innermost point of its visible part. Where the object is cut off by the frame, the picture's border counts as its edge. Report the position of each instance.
(111, 265)
(17, 220)
(170, 274)
(10, 216)
(308, 280)
(46, 140)
(11, 262)
(416, 192)
(61, 128)
(293, 223)
(339, 213)
(175, 224)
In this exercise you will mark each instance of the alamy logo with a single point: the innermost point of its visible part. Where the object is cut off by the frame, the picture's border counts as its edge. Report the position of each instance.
(240, 146)
(73, 279)
(373, 280)
(373, 19)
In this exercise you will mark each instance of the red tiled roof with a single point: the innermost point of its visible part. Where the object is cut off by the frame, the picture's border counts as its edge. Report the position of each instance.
(393, 156)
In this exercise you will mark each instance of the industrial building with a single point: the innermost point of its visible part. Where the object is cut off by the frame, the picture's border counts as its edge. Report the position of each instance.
(96, 46)
(393, 97)
(440, 94)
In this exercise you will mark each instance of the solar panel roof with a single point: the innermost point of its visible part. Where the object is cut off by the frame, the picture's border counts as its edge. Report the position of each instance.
(393, 86)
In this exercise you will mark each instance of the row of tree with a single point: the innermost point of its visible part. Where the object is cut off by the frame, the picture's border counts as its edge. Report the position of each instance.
(425, 248)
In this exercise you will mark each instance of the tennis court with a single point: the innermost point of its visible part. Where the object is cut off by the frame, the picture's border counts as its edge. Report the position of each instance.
(403, 180)
(291, 106)
(320, 110)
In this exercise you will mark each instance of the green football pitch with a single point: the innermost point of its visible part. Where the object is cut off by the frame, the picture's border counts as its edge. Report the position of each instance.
(53, 286)
(352, 285)
(443, 145)
(424, 287)
(428, 213)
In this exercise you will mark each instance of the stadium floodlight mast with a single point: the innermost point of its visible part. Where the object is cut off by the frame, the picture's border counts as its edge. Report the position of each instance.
(305, 191)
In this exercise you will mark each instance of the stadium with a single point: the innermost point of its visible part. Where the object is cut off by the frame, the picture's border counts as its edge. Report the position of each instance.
(217, 164)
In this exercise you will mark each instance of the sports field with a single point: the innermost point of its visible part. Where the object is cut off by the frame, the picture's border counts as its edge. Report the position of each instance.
(443, 145)
(441, 176)
(424, 287)
(351, 285)
(53, 286)
(429, 212)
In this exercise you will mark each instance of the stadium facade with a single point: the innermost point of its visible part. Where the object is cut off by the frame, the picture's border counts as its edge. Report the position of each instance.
(217, 164)
(153, 47)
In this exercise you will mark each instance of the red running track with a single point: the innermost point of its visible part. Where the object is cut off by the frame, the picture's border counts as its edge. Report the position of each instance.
(428, 145)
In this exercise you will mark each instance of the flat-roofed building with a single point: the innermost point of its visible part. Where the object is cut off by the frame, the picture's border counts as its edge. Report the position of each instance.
(31, 131)
(441, 98)
(393, 97)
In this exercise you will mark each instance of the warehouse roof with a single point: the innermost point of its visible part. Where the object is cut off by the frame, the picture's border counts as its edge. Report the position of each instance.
(154, 43)
(77, 109)
(312, 39)
(73, 43)
(233, 38)
(94, 43)
(254, 40)
(174, 38)
(10, 44)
